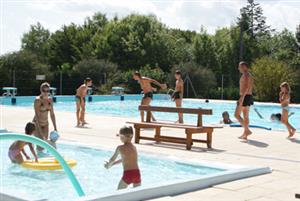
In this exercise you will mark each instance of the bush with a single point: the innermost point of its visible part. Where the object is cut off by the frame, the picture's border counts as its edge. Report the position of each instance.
(202, 79)
(103, 73)
(268, 75)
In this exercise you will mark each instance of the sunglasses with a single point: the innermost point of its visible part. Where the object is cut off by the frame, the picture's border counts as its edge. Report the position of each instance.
(45, 90)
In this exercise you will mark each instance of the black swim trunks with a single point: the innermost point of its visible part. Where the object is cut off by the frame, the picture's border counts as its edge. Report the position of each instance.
(78, 99)
(248, 101)
(176, 95)
(148, 95)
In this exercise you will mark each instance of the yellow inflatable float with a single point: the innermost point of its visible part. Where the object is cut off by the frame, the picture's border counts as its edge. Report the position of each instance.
(47, 163)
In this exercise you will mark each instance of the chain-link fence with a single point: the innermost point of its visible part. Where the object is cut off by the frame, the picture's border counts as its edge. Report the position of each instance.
(28, 82)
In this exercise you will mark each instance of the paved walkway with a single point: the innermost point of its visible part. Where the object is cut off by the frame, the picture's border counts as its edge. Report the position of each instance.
(265, 148)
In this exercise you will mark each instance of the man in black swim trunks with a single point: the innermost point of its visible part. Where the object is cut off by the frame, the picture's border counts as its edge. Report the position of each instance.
(246, 99)
(81, 92)
(145, 83)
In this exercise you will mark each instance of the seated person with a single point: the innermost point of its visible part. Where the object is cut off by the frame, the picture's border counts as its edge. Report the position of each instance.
(226, 118)
(17, 148)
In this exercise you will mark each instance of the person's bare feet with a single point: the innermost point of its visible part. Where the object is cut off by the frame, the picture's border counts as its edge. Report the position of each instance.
(292, 133)
(243, 137)
(179, 122)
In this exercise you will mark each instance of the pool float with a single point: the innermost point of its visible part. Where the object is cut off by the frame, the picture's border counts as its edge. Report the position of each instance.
(48, 163)
(252, 126)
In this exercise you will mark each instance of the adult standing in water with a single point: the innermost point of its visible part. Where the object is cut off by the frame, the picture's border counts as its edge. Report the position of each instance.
(178, 94)
(81, 93)
(145, 84)
(284, 99)
(43, 105)
(245, 100)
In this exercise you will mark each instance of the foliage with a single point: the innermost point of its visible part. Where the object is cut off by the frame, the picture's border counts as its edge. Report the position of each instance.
(24, 66)
(201, 79)
(110, 50)
(268, 75)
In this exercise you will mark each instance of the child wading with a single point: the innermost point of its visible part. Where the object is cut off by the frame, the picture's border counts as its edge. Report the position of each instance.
(17, 148)
(129, 159)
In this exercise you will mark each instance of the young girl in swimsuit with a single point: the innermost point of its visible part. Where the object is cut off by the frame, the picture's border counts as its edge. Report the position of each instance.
(43, 104)
(17, 148)
(129, 159)
(284, 99)
(178, 94)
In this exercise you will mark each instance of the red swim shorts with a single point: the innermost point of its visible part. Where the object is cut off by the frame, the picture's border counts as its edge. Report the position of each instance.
(132, 176)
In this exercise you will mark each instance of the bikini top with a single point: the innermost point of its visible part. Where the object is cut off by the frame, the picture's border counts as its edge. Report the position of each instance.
(43, 107)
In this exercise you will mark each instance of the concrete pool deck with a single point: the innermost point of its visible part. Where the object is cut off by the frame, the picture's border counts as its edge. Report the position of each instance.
(265, 148)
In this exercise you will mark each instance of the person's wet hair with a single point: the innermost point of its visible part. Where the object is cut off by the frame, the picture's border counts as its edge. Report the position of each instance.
(286, 85)
(243, 63)
(87, 80)
(44, 85)
(29, 128)
(178, 72)
(225, 114)
(137, 73)
(127, 131)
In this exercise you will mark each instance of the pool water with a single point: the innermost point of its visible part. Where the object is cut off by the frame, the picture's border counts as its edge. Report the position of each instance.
(111, 105)
(93, 177)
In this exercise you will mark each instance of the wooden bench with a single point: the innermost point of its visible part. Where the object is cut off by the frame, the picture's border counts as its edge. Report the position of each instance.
(190, 130)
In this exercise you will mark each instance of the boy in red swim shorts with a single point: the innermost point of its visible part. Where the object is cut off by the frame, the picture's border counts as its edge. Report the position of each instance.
(129, 159)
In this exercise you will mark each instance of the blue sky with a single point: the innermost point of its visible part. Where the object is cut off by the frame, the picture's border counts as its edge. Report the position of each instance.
(17, 15)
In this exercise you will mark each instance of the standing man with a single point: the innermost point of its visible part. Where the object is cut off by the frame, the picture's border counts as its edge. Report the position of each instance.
(145, 83)
(246, 99)
(81, 92)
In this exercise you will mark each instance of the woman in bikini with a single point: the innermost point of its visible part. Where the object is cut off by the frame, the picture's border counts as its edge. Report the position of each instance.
(178, 94)
(43, 104)
(284, 99)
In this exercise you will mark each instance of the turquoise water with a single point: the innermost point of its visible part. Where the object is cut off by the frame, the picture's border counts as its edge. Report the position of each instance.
(112, 106)
(94, 178)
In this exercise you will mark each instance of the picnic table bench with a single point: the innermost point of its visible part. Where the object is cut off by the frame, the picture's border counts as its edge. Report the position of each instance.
(190, 130)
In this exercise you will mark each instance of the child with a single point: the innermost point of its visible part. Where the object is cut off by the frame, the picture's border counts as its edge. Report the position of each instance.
(17, 148)
(129, 157)
(178, 94)
(226, 118)
(284, 99)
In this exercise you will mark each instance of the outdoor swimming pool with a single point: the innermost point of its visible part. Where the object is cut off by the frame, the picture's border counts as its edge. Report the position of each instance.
(111, 105)
(96, 181)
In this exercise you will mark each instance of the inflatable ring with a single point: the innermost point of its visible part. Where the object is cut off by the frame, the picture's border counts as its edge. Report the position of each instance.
(47, 163)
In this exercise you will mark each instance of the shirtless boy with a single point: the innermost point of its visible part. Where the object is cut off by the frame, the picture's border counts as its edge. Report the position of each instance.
(145, 83)
(81, 92)
(246, 99)
(178, 94)
(129, 159)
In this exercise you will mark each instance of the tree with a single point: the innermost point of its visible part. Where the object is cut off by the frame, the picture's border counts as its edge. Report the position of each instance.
(253, 23)
(268, 75)
(63, 47)
(205, 51)
(252, 20)
(23, 66)
(135, 41)
(36, 41)
(202, 79)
